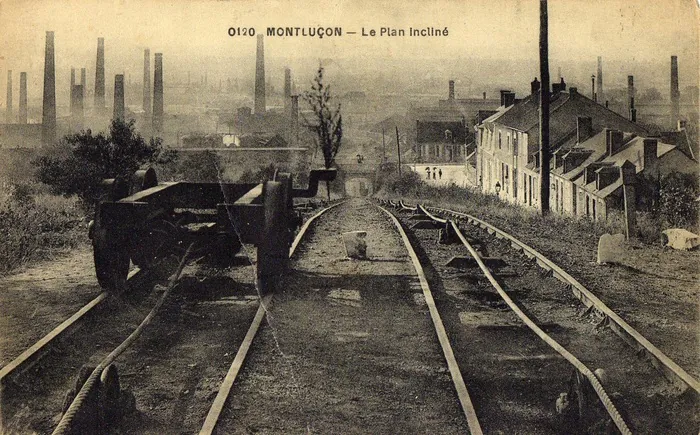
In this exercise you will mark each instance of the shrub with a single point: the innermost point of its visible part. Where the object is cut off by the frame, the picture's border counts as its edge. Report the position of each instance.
(83, 160)
(678, 203)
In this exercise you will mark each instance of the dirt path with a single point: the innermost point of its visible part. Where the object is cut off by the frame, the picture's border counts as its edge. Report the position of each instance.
(347, 348)
(40, 297)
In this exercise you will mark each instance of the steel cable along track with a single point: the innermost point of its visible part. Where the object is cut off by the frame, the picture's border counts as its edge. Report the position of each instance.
(222, 396)
(672, 371)
(38, 349)
(585, 371)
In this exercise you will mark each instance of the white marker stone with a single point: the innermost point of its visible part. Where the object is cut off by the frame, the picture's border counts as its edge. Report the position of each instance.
(355, 244)
(611, 248)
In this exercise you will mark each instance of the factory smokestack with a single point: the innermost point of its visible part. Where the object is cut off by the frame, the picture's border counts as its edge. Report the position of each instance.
(100, 75)
(48, 118)
(294, 136)
(9, 96)
(72, 86)
(118, 97)
(287, 91)
(260, 76)
(675, 93)
(630, 98)
(599, 83)
(23, 98)
(158, 93)
(451, 91)
(83, 83)
(77, 106)
(147, 81)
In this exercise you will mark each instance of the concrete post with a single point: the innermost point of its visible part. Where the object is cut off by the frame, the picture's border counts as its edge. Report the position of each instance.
(628, 177)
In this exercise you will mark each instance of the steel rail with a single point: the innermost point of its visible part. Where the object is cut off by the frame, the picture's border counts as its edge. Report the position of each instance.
(668, 368)
(35, 352)
(217, 407)
(457, 379)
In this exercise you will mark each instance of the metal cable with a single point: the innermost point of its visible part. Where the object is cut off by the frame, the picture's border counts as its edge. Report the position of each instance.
(64, 426)
(597, 386)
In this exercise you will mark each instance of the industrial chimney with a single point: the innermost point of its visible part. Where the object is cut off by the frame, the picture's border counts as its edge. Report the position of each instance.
(83, 83)
(118, 97)
(100, 75)
(78, 110)
(48, 119)
(158, 93)
(260, 77)
(72, 86)
(9, 97)
(599, 82)
(23, 98)
(675, 93)
(630, 98)
(294, 136)
(287, 91)
(147, 81)
(451, 92)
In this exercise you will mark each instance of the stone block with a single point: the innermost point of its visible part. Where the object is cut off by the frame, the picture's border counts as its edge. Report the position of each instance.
(678, 238)
(612, 248)
(355, 244)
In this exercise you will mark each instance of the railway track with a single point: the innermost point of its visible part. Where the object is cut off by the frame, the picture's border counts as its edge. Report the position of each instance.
(352, 344)
(34, 382)
(652, 404)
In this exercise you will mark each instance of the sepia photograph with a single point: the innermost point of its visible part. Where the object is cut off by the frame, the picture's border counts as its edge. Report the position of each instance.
(350, 217)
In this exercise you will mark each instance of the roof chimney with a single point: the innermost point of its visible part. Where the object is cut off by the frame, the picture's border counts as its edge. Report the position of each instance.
(675, 93)
(507, 98)
(651, 147)
(23, 98)
(100, 75)
(48, 118)
(584, 128)
(484, 95)
(559, 87)
(535, 87)
(613, 141)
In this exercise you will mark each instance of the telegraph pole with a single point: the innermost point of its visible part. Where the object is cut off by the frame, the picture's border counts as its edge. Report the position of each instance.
(398, 147)
(544, 110)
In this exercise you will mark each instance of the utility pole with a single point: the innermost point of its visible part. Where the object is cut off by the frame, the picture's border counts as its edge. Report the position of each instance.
(544, 110)
(398, 147)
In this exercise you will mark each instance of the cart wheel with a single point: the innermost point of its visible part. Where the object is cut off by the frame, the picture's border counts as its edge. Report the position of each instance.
(111, 262)
(111, 256)
(273, 248)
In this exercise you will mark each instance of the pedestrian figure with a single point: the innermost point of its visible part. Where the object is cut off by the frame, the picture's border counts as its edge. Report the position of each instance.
(427, 170)
(434, 172)
(440, 173)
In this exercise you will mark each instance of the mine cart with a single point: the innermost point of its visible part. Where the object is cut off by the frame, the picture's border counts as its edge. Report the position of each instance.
(141, 221)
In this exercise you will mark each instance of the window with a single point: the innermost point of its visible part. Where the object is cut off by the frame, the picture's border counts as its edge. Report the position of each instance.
(515, 143)
(499, 140)
(508, 141)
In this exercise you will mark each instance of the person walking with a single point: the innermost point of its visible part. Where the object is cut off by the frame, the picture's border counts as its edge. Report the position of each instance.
(434, 172)
(440, 173)
(427, 171)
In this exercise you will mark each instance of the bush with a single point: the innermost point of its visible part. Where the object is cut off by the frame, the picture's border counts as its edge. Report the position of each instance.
(678, 203)
(83, 160)
(199, 167)
(37, 226)
(408, 183)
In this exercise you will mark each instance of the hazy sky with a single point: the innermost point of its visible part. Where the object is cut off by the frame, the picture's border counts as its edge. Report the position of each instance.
(196, 31)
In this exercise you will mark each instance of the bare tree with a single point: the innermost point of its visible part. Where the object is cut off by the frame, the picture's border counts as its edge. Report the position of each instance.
(327, 123)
